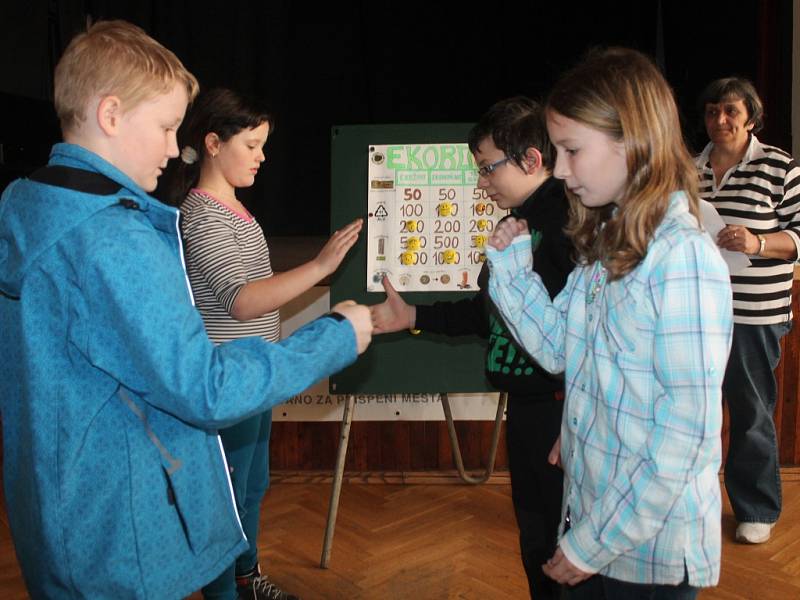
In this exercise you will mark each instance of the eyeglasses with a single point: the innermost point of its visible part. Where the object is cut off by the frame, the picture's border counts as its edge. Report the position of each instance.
(487, 170)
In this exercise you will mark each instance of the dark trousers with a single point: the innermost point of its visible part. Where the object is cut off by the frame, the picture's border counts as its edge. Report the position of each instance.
(532, 426)
(752, 478)
(599, 587)
(247, 452)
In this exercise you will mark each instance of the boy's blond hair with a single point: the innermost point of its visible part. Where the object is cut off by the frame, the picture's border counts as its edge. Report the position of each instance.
(114, 58)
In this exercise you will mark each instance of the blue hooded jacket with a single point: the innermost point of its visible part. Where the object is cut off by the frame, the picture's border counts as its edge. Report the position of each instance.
(111, 393)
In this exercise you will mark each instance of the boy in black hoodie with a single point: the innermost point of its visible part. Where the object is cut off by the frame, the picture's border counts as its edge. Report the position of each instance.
(515, 161)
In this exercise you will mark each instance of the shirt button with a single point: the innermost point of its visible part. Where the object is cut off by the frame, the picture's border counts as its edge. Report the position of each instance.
(590, 317)
(583, 387)
(574, 421)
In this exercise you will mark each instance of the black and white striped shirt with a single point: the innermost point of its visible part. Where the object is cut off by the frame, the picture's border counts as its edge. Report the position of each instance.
(761, 193)
(224, 251)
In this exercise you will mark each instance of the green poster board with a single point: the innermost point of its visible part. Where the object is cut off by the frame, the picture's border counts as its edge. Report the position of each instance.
(399, 362)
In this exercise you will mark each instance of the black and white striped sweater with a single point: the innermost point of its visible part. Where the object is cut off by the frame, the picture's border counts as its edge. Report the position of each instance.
(761, 193)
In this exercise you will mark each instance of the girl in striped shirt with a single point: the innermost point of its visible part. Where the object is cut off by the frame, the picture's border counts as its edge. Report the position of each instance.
(227, 260)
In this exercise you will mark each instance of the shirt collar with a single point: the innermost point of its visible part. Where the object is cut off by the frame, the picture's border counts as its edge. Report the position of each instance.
(755, 150)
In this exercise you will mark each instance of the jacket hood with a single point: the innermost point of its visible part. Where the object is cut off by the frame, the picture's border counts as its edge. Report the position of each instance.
(34, 215)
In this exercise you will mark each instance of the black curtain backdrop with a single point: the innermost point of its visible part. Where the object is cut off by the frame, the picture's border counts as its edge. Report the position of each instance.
(377, 62)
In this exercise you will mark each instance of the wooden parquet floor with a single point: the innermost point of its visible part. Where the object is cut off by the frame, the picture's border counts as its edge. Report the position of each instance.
(432, 541)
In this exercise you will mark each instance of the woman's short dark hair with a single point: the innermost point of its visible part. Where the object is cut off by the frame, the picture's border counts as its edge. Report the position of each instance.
(514, 125)
(734, 88)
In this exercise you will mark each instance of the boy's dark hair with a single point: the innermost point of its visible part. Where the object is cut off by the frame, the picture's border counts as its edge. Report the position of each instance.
(221, 111)
(514, 125)
(735, 88)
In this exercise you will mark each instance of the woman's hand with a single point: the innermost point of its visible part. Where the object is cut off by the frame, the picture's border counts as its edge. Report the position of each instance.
(335, 249)
(506, 231)
(393, 314)
(738, 239)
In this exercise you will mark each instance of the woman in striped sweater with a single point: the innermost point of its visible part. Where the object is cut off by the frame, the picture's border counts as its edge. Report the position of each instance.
(755, 188)
(227, 260)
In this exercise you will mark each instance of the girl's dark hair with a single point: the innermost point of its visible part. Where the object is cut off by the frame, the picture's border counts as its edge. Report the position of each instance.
(221, 111)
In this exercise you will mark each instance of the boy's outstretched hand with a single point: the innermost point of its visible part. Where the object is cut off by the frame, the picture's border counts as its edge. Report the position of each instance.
(359, 318)
(335, 249)
(506, 231)
(393, 314)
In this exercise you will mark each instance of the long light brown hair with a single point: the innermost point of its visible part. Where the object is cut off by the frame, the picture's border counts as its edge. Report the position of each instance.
(621, 92)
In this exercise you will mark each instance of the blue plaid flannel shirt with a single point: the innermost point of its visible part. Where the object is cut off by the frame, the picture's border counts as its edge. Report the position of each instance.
(644, 361)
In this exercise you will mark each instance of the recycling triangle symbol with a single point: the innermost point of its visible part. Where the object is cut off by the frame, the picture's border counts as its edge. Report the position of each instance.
(381, 211)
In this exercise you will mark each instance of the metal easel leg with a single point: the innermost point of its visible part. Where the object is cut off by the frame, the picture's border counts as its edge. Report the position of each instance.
(338, 473)
(451, 429)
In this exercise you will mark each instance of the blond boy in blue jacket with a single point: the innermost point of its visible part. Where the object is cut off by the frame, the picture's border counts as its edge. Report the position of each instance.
(111, 392)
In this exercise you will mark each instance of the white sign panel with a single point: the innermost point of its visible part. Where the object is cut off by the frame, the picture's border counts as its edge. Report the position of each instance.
(427, 221)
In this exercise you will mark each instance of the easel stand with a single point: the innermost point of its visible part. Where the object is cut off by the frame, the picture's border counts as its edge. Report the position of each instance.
(341, 455)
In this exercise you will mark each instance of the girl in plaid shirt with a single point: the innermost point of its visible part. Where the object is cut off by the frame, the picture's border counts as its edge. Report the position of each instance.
(642, 330)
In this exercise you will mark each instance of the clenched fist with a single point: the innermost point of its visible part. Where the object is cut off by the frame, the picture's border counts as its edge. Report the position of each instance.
(360, 319)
